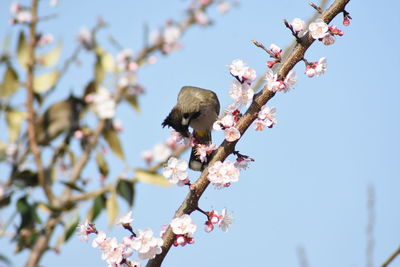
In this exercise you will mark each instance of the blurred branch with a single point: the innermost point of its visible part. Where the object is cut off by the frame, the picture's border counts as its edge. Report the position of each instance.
(302, 256)
(391, 258)
(31, 113)
(190, 203)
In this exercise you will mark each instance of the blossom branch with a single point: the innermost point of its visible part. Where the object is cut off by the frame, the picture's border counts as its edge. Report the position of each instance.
(190, 203)
(33, 145)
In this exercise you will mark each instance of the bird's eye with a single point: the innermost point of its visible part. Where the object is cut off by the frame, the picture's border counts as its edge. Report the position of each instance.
(186, 115)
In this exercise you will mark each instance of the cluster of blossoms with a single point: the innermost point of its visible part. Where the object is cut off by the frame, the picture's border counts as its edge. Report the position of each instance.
(116, 253)
(168, 38)
(19, 14)
(223, 221)
(265, 118)
(320, 31)
(127, 68)
(102, 103)
(276, 85)
(183, 227)
(227, 123)
(316, 68)
(162, 151)
(222, 174)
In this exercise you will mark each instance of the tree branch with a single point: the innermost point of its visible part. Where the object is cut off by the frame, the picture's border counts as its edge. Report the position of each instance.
(226, 148)
(391, 258)
(31, 112)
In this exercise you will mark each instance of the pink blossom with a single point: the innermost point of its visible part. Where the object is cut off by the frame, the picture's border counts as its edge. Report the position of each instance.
(222, 174)
(321, 66)
(297, 25)
(161, 152)
(328, 39)
(176, 170)
(275, 49)
(318, 29)
(126, 219)
(15, 8)
(146, 244)
(103, 103)
(202, 151)
(171, 34)
(241, 93)
(85, 229)
(259, 125)
(231, 134)
(201, 18)
(290, 80)
(100, 240)
(310, 71)
(183, 225)
(223, 7)
(45, 39)
(147, 155)
(225, 220)
(237, 68)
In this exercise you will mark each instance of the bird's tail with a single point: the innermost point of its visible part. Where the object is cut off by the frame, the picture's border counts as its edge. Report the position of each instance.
(202, 137)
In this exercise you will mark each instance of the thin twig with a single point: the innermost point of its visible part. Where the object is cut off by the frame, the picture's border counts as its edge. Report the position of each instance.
(370, 226)
(316, 7)
(391, 258)
(31, 112)
(190, 203)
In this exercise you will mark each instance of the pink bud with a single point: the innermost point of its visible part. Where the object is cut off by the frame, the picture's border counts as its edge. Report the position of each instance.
(271, 63)
(346, 21)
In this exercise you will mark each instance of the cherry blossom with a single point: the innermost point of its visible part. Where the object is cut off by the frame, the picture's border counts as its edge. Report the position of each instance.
(183, 225)
(102, 103)
(298, 25)
(146, 244)
(225, 220)
(85, 229)
(126, 219)
(239, 69)
(318, 29)
(223, 7)
(100, 240)
(161, 152)
(176, 171)
(328, 39)
(241, 93)
(171, 34)
(203, 150)
(317, 68)
(275, 49)
(231, 134)
(222, 174)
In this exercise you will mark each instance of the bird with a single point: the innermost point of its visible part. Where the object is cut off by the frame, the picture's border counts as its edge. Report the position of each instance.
(198, 108)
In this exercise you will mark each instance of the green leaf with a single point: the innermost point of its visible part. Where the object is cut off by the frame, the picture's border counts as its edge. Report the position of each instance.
(51, 57)
(5, 260)
(98, 205)
(112, 208)
(10, 82)
(22, 50)
(73, 186)
(126, 190)
(3, 151)
(133, 101)
(99, 72)
(44, 82)
(14, 120)
(151, 178)
(71, 228)
(102, 164)
(114, 143)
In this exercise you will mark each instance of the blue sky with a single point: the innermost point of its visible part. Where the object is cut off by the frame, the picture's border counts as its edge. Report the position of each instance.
(336, 134)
